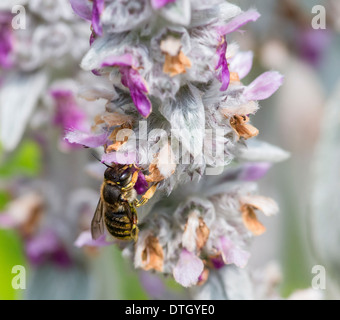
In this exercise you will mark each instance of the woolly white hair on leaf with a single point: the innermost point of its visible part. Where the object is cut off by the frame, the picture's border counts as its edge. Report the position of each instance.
(259, 151)
(206, 13)
(104, 47)
(187, 118)
(121, 16)
(178, 12)
(166, 162)
(201, 206)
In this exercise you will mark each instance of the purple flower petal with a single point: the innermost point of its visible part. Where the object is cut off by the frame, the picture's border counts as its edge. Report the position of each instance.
(126, 60)
(238, 22)
(85, 239)
(223, 74)
(157, 4)
(6, 41)
(138, 90)
(188, 269)
(242, 63)
(82, 8)
(131, 79)
(152, 284)
(98, 7)
(217, 262)
(46, 246)
(141, 185)
(264, 86)
(313, 44)
(254, 171)
(120, 157)
(232, 254)
(86, 139)
(68, 114)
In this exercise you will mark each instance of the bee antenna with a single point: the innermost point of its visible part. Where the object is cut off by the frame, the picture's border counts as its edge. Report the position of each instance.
(101, 161)
(94, 156)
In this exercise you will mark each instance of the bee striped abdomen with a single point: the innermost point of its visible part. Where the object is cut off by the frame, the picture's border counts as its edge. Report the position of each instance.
(118, 224)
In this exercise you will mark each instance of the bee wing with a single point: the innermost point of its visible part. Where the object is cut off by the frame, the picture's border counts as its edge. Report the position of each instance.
(97, 224)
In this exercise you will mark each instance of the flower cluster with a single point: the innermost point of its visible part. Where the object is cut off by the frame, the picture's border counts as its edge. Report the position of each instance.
(37, 61)
(178, 111)
(40, 43)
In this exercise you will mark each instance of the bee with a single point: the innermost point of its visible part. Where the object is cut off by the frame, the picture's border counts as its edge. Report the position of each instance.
(116, 209)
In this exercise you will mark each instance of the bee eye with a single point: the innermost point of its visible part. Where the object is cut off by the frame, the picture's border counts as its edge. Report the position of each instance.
(124, 176)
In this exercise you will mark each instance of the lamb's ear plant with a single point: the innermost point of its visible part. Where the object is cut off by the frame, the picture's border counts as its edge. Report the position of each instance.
(161, 91)
(179, 112)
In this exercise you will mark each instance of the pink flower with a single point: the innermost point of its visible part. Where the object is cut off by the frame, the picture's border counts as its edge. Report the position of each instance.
(158, 4)
(152, 284)
(264, 86)
(46, 247)
(82, 8)
(133, 80)
(7, 221)
(98, 8)
(86, 139)
(6, 41)
(120, 157)
(238, 22)
(92, 13)
(188, 269)
(85, 239)
(254, 171)
(242, 63)
(231, 253)
(68, 115)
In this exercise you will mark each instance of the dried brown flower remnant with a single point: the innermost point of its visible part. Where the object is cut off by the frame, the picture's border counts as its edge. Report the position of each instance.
(248, 206)
(242, 128)
(112, 119)
(202, 233)
(162, 166)
(152, 255)
(115, 137)
(26, 212)
(175, 65)
(176, 61)
(234, 77)
(250, 220)
(155, 175)
(196, 233)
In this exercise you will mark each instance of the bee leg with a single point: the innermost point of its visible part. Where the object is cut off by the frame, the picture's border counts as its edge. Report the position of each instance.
(147, 196)
(132, 182)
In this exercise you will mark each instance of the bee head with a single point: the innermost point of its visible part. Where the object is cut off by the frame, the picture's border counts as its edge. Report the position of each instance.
(121, 178)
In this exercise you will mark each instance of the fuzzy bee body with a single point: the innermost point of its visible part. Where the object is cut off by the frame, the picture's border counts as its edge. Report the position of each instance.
(116, 211)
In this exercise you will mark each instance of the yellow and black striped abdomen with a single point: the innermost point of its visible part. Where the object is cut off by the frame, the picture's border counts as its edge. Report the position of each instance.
(119, 224)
